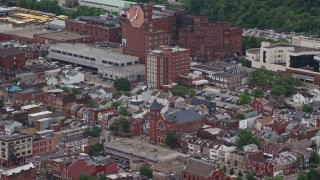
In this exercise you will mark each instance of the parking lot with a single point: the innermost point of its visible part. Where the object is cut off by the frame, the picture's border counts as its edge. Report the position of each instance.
(226, 98)
(269, 34)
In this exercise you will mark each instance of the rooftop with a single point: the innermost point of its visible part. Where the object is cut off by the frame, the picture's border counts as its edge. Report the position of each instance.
(62, 36)
(143, 150)
(92, 51)
(10, 52)
(13, 137)
(183, 116)
(112, 3)
(27, 32)
(200, 168)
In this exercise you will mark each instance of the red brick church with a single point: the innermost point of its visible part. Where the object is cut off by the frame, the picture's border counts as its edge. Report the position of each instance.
(184, 121)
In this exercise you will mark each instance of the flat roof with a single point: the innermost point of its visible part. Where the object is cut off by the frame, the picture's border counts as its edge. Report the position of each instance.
(129, 69)
(92, 51)
(40, 113)
(295, 48)
(28, 33)
(143, 150)
(62, 36)
(13, 137)
(114, 3)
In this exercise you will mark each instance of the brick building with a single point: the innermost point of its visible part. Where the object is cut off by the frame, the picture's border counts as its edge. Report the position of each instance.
(24, 172)
(58, 100)
(145, 30)
(136, 126)
(27, 96)
(197, 169)
(100, 28)
(73, 167)
(264, 106)
(164, 65)
(209, 41)
(93, 114)
(12, 59)
(44, 142)
(68, 37)
(185, 121)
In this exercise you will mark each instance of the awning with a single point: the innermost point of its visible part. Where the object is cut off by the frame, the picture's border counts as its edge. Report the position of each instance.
(200, 82)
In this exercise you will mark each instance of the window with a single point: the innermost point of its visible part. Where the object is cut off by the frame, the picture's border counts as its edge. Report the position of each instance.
(92, 59)
(69, 54)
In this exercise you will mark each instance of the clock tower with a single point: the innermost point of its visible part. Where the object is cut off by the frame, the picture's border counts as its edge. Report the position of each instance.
(155, 115)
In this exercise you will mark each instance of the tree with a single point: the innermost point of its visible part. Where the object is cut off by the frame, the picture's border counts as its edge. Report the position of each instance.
(94, 131)
(224, 169)
(313, 175)
(302, 177)
(76, 91)
(123, 111)
(146, 171)
(115, 104)
(314, 159)
(245, 137)
(307, 108)
(122, 84)
(277, 91)
(96, 150)
(231, 171)
(1, 103)
(250, 177)
(299, 163)
(183, 91)
(86, 177)
(257, 93)
(313, 146)
(170, 139)
(124, 125)
(275, 178)
(240, 173)
(239, 116)
(245, 98)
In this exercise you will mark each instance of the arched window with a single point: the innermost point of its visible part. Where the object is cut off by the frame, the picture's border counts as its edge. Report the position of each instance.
(160, 125)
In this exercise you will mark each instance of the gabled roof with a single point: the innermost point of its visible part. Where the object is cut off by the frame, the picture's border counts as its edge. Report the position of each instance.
(199, 168)
(155, 106)
(184, 116)
(262, 101)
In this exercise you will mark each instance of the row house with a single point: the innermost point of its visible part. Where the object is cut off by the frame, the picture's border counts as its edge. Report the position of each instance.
(271, 149)
(74, 109)
(58, 100)
(183, 141)
(237, 159)
(264, 106)
(44, 142)
(136, 126)
(225, 152)
(73, 167)
(283, 165)
(256, 163)
(303, 98)
(94, 114)
(27, 96)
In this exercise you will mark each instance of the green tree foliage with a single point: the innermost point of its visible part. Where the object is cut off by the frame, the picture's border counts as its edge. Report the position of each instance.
(245, 98)
(275, 178)
(307, 108)
(146, 171)
(183, 91)
(285, 15)
(302, 177)
(124, 111)
(86, 177)
(122, 84)
(115, 104)
(232, 171)
(313, 175)
(125, 126)
(245, 137)
(1, 103)
(250, 177)
(257, 93)
(224, 169)
(94, 131)
(170, 139)
(240, 173)
(239, 116)
(86, 11)
(281, 85)
(96, 149)
(249, 42)
(76, 91)
(314, 159)
(51, 6)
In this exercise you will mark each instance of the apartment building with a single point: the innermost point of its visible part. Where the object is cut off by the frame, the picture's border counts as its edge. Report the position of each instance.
(14, 148)
(165, 64)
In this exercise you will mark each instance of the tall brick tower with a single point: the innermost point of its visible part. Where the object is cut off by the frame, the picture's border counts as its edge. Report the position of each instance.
(155, 115)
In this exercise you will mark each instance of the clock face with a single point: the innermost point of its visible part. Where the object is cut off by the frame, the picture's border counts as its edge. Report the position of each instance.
(136, 16)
